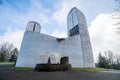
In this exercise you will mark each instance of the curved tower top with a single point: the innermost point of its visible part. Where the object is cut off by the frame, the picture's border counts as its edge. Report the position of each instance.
(33, 26)
(75, 20)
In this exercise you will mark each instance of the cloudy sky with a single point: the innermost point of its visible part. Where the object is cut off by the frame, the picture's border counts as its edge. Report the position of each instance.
(51, 14)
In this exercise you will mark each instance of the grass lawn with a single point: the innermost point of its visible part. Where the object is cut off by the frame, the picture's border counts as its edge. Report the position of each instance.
(6, 63)
(23, 68)
(73, 69)
(89, 69)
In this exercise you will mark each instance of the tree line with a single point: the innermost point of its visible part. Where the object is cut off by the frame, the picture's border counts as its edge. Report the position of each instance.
(8, 53)
(108, 60)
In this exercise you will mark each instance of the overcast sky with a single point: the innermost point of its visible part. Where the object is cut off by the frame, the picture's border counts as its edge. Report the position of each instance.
(51, 14)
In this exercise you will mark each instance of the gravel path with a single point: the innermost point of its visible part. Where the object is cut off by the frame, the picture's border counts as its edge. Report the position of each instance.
(6, 73)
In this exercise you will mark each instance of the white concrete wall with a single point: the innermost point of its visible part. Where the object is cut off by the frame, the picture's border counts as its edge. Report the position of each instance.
(85, 41)
(72, 49)
(37, 48)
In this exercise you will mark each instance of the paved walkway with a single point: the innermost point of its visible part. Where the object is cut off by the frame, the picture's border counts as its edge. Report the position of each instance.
(6, 73)
(111, 71)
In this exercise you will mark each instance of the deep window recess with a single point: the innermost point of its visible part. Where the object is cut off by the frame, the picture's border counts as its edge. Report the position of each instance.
(74, 30)
(34, 27)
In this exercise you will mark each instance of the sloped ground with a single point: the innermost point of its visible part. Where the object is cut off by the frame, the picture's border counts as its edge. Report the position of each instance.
(6, 73)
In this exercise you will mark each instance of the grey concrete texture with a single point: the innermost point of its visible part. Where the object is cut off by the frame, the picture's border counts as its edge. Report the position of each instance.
(37, 47)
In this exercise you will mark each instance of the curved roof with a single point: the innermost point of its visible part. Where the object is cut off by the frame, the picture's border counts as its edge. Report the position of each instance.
(34, 22)
(78, 11)
(32, 28)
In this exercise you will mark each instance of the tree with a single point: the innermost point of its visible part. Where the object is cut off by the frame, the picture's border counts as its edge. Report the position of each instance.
(110, 57)
(14, 54)
(109, 60)
(5, 52)
(117, 59)
(103, 61)
(116, 64)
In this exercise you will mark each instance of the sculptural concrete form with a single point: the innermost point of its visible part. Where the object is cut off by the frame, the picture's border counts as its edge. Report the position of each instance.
(37, 47)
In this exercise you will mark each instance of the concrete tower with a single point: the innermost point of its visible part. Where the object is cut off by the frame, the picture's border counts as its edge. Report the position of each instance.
(37, 47)
(77, 26)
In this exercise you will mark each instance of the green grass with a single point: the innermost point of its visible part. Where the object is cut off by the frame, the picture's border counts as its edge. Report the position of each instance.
(6, 63)
(89, 69)
(73, 69)
(23, 68)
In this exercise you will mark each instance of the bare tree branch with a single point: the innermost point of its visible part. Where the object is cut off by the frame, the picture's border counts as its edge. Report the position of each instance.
(5, 51)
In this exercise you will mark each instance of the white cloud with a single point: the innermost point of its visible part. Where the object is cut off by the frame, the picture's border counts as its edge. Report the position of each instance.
(59, 34)
(12, 37)
(15, 22)
(38, 13)
(35, 12)
(103, 35)
(63, 8)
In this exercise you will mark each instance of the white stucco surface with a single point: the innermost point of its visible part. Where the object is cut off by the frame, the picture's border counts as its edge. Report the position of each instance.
(37, 47)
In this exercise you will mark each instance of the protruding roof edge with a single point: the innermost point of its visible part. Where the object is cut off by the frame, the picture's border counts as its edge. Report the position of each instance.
(34, 22)
(73, 9)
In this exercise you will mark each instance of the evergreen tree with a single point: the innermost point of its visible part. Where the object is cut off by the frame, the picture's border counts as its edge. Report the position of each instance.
(103, 62)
